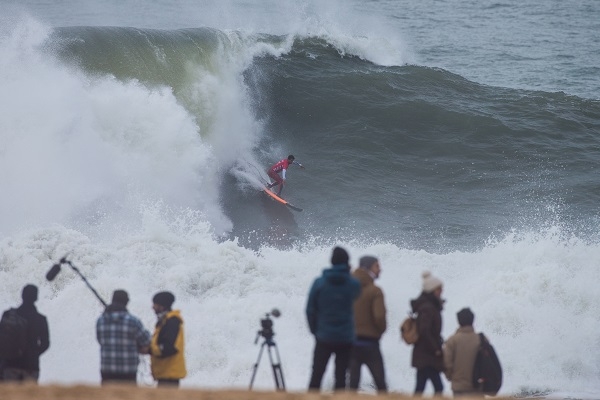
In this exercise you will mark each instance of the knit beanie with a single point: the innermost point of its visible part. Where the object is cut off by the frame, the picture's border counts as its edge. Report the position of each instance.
(120, 297)
(339, 256)
(430, 282)
(165, 299)
(367, 261)
(29, 294)
(465, 317)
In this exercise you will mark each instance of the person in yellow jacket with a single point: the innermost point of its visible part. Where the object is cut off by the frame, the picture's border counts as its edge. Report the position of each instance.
(167, 359)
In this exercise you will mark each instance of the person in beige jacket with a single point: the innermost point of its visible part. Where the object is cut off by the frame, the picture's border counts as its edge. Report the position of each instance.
(370, 323)
(460, 351)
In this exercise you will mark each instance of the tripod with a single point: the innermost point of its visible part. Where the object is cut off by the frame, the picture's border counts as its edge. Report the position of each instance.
(276, 366)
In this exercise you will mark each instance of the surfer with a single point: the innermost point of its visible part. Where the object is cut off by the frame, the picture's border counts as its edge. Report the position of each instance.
(281, 166)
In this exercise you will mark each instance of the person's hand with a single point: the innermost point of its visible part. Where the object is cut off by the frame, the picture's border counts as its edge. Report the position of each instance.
(301, 166)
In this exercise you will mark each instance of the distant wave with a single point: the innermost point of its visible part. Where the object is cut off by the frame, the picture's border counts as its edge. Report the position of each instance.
(448, 162)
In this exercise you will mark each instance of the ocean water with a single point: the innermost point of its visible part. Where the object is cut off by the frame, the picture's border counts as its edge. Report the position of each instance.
(458, 137)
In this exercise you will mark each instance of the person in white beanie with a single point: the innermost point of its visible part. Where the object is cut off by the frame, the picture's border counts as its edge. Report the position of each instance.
(427, 356)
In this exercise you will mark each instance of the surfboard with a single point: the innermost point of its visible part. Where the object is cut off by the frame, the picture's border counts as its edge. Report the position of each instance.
(280, 200)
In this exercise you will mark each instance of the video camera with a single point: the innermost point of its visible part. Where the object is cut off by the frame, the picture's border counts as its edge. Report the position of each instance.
(266, 331)
(266, 325)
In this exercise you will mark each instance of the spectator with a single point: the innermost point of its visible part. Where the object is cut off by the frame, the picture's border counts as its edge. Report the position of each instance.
(122, 338)
(370, 323)
(37, 340)
(427, 355)
(331, 318)
(460, 351)
(167, 346)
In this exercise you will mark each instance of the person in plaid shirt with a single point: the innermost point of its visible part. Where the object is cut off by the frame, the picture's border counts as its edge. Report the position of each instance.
(122, 338)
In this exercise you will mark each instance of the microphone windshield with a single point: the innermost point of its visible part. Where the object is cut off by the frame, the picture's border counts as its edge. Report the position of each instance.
(53, 272)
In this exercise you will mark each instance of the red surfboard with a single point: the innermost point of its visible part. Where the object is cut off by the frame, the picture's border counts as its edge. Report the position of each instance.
(282, 201)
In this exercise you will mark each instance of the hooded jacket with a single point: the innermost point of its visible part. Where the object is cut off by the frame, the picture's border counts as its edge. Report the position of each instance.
(427, 352)
(369, 309)
(329, 309)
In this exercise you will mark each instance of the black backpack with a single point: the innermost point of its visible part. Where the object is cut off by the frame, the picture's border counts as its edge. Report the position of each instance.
(13, 335)
(487, 371)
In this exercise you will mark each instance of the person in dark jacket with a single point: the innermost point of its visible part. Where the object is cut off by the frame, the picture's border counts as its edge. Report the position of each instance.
(331, 318)
(167, 359)
(427, 355)
(122, 338)
(370, 323)
(27, 367)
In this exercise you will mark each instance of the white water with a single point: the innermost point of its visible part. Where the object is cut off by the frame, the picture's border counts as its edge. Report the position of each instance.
(140, 213)
(534, 296)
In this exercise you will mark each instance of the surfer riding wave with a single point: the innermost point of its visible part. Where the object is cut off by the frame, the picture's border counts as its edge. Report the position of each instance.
(281, 167)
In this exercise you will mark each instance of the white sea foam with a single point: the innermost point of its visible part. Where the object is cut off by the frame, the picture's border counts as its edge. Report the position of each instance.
(534, 296)
(74, 145)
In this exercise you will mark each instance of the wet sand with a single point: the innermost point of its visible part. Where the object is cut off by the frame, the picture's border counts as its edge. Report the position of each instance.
(34, 392)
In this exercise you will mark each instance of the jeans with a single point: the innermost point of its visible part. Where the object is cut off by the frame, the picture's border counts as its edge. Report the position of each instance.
(368, 353)
(428, 373)
(322, 353)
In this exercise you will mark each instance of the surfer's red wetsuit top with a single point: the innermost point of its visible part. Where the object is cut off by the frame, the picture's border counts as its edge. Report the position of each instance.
(280, 166)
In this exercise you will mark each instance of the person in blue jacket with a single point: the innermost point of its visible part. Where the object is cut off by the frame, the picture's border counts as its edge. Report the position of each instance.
(330, 316)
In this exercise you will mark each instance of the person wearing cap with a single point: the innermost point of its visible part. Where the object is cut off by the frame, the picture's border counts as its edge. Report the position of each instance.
(27, 367)
(370, 323)
(122, 338)
(167, 347)
(427, 356)
(330, 315)
(460, 351)
(281, 167)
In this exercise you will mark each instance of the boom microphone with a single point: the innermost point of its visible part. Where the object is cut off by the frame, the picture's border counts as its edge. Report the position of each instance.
(56, 269)
(53, 272)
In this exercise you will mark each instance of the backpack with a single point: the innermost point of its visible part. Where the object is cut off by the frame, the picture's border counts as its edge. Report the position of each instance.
(487, 371)
(408, 329)
(13, 335)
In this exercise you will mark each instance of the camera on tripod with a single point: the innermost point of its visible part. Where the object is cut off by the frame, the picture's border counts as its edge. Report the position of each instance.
(266, 331)
(266, 325)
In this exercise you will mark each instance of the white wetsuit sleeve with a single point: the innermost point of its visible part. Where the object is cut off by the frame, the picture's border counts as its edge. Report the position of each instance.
(283, 173)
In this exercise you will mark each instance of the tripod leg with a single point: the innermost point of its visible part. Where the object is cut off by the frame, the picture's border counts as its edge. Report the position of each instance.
(256, 364)
(276, 366)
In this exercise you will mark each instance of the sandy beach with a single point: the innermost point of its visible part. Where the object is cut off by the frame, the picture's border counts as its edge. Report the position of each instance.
(34, 392)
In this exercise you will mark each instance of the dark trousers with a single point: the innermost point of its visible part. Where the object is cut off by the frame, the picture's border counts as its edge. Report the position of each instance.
(425, 374)
(112, 377)
(20, 375)
(168, 383)
(368, 353)
(322, 353)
